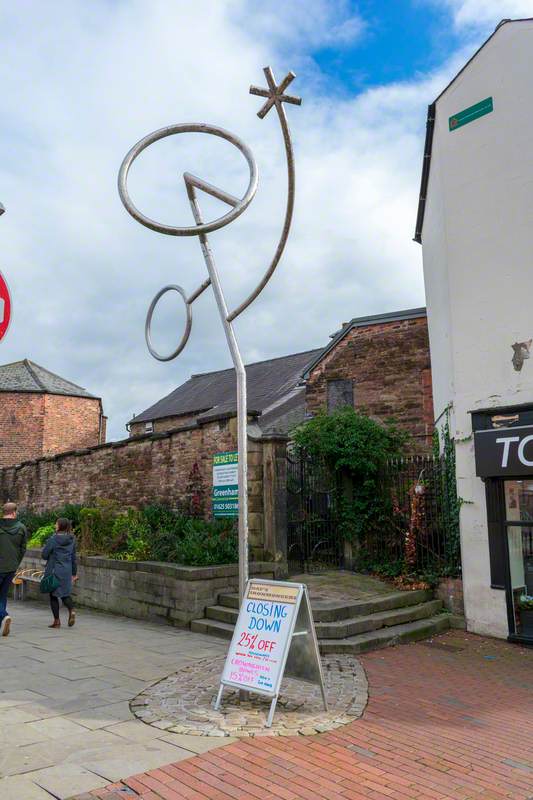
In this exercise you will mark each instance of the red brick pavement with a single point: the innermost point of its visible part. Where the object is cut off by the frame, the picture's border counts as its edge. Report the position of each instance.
(451, 718)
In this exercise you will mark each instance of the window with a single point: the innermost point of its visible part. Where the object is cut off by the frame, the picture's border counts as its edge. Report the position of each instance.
(519, 523)
(339, 394)
(149, 427)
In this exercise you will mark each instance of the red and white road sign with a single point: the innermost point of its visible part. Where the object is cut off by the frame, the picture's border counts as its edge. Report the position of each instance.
(5, 307)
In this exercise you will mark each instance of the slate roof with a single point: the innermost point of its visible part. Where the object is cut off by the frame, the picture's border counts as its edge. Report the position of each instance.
(25, 376)
(271, 384)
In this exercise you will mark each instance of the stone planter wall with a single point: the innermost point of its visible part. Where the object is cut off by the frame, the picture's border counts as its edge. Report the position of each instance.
(450, 591)
(150, 590)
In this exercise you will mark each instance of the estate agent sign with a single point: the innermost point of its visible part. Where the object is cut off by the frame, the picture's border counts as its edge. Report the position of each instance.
(274, 635)
(504, 452)
(5, 307)
(226, 484)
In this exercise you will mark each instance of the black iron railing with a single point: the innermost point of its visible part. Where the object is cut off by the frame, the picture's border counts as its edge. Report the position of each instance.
(421, 507)
(415, 528)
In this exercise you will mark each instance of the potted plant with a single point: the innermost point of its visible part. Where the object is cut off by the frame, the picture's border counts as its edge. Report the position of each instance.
(525, 609)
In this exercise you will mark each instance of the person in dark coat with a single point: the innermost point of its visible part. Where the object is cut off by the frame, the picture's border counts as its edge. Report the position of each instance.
(13, 539)
(60, 555)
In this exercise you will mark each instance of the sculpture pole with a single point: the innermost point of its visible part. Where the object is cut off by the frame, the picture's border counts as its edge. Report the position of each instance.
(275, 97)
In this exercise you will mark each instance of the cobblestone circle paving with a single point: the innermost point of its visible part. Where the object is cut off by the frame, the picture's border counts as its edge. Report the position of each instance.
(183, 702)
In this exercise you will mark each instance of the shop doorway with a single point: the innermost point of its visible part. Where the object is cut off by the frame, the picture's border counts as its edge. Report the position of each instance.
(518, 495)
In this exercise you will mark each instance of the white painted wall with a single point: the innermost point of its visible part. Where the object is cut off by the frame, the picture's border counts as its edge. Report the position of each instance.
(478, 266)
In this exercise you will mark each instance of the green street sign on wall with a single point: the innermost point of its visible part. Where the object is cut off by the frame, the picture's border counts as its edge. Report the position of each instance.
(470, 114)
(225, 484)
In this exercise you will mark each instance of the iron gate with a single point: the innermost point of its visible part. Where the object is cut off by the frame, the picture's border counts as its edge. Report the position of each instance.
(313, 542)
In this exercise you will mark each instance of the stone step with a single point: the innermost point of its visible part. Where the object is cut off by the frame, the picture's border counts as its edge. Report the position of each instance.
(222, 614)
(229, 600)
(346, 627)
(213, 627)
(371, 640)
(387, 637)
(382, 619)
(333, 611)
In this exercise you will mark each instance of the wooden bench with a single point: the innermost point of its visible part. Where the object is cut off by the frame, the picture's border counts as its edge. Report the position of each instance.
(21, 581)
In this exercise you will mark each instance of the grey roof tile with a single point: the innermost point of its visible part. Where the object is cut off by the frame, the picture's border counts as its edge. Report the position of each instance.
(26, 376)
(213, 393)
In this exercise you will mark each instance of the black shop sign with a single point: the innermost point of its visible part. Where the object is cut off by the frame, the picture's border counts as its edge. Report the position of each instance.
(504, 452)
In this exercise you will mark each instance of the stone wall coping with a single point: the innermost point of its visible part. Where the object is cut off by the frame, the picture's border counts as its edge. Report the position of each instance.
(179, 571)
(138, 438)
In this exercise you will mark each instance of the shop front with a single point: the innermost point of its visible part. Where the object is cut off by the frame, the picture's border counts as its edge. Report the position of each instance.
(503, 440)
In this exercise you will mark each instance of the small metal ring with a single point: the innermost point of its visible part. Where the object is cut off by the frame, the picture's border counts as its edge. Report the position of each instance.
(148, 323)
(194, 230)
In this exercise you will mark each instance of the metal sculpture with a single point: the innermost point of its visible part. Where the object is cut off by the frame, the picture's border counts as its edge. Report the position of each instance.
(275, 97)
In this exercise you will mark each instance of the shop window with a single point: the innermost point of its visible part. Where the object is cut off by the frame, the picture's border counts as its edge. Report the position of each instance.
(519, 524)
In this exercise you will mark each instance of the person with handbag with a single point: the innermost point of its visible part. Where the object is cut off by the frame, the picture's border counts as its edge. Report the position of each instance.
(61, 570)
(13, 539)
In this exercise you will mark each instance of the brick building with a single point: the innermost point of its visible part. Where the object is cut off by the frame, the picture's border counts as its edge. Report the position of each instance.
(379, 364)
(42, 414)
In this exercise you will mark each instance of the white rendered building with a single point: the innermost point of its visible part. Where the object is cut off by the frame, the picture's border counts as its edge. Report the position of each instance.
(475, 223)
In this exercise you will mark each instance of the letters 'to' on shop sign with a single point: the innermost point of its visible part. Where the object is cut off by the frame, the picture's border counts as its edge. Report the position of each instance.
(505, 452)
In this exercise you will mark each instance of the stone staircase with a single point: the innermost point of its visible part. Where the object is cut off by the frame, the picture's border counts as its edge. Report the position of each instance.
(352, 626)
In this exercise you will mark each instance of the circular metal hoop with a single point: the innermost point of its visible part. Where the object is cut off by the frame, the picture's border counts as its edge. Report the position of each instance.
(194, 230)
(148, 323)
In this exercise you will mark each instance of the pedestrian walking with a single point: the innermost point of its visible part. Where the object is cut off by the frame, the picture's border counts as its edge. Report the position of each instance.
(13, 539)
(60, 555)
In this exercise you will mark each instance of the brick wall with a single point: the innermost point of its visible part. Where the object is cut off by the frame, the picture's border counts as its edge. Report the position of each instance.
(70, 422)
(21, 427)
(390, 366)
(156, 468)
(33, 425)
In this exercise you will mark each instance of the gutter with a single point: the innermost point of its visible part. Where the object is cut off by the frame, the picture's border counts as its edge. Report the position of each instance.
(428, 146)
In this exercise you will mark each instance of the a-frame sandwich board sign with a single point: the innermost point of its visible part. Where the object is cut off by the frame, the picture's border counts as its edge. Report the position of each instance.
(274, 636)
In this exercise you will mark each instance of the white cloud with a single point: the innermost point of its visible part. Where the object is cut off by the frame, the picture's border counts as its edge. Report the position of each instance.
(479, 13)
(83, 82)
(320, 23)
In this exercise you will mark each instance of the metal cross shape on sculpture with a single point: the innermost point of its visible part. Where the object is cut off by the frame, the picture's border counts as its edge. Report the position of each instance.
(276, 97)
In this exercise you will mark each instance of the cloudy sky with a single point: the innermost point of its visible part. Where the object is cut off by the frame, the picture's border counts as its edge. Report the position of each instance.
(82, 82)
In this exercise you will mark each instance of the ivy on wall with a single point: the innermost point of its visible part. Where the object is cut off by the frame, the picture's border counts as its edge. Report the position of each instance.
(444, 450)
(355, 448)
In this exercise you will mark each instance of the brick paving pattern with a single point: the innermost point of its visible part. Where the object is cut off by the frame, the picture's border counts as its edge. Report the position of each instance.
(183, 702)
(447, 719)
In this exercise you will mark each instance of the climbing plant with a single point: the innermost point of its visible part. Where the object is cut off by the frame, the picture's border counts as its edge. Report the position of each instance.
(444, 450)
(354, 447)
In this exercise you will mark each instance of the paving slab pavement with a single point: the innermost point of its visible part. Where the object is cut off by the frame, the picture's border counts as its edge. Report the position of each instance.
(447, 719)
(65, 722)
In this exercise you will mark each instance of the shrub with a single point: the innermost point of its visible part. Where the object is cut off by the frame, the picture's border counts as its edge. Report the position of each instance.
(207, 543)
(34, 521)
(96, 528)
(41, 535)
(154, 533)
(130, 536)
(349, 440)
(352, 444)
